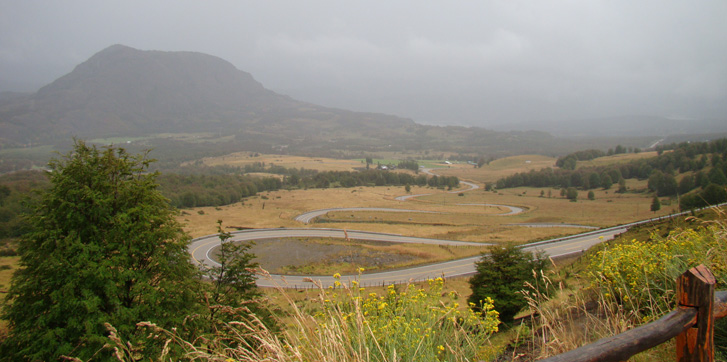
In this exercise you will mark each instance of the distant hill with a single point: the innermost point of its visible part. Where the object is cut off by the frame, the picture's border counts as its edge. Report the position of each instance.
(212, 107)
(623, 126)
(125, 91)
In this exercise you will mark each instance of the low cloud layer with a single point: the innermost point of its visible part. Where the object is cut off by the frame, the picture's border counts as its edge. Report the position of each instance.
(469, 63)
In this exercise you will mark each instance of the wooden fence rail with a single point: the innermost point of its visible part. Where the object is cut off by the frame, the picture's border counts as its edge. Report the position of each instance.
(692, 323)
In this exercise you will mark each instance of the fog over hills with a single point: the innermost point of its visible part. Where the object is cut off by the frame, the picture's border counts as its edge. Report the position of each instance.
(623, 126)
(124, 91)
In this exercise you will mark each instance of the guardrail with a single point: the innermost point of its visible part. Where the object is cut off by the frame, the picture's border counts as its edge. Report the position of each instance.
(692, 323)
(624, 226)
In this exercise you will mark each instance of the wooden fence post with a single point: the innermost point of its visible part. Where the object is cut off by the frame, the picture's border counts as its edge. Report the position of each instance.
(695, 289)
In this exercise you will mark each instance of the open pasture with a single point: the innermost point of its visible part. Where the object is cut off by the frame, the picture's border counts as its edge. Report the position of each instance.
(326, 256)
(241, 159)
(478, 223)
(616, 159)
(489, 174)
(460, 215)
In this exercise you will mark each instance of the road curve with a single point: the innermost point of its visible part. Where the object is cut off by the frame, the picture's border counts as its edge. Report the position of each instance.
(514, 210)
(307, 217)
(202, 247)
(472, 186)
(310, 215)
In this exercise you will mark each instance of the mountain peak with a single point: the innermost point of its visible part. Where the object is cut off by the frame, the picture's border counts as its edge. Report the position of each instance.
(125, 91)
(117, 48)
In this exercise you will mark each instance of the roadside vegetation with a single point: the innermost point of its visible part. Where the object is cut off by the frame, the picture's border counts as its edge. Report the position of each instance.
(566, 307)
(621, 285)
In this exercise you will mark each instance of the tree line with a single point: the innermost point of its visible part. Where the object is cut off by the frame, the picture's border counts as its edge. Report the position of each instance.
(15, 189)
(198, 185)
(213, 188)
(569, 161)
(702, 163)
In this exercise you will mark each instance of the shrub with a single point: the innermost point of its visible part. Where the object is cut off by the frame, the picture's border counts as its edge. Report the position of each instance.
(501, 275)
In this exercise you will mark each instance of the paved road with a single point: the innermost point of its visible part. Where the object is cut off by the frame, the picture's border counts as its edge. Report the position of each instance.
(513, 209)
(428, 171)
(201, 248)
(308, 216)
(554, 225)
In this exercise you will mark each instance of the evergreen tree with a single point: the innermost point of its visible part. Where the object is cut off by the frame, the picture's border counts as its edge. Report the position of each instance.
(655, 204)
(232, 294)
(716, 176)
(714, 194)
(686, 184)
(606, 181)
(572, 194)
(105, 247)
(594, 181)
(621, 186)
(500, 275)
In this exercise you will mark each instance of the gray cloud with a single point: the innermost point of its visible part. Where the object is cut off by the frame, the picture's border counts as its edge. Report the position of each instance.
(470, 62)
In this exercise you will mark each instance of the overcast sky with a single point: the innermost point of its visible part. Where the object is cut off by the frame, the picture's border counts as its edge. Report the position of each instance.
(437, 62)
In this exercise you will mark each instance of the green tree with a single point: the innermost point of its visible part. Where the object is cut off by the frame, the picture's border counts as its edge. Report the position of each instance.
(105, 247)
(232, 294)
(655, 204)
(663, 184)
(716, 176)
(572, 194)
(500, 275)
(594, 180)
(232, 273)
(606, 181)
(591, 195)
(686, 184)
(481, 162)
(714, 194)
(621, 186)
(4, 193)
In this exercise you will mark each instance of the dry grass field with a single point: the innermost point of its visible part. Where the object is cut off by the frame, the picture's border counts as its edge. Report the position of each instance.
(454, 221)
(327, 256)
(453, 218)
(8, 265)
(497, 169)
(311, 163)
(616, 159)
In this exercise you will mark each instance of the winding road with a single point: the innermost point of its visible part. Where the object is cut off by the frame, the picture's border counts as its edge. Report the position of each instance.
(200, 248)
(310, 215)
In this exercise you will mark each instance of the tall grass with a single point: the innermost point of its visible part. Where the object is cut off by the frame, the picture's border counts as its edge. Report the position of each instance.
(346, 323)
(625, 285)
(641, 275)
